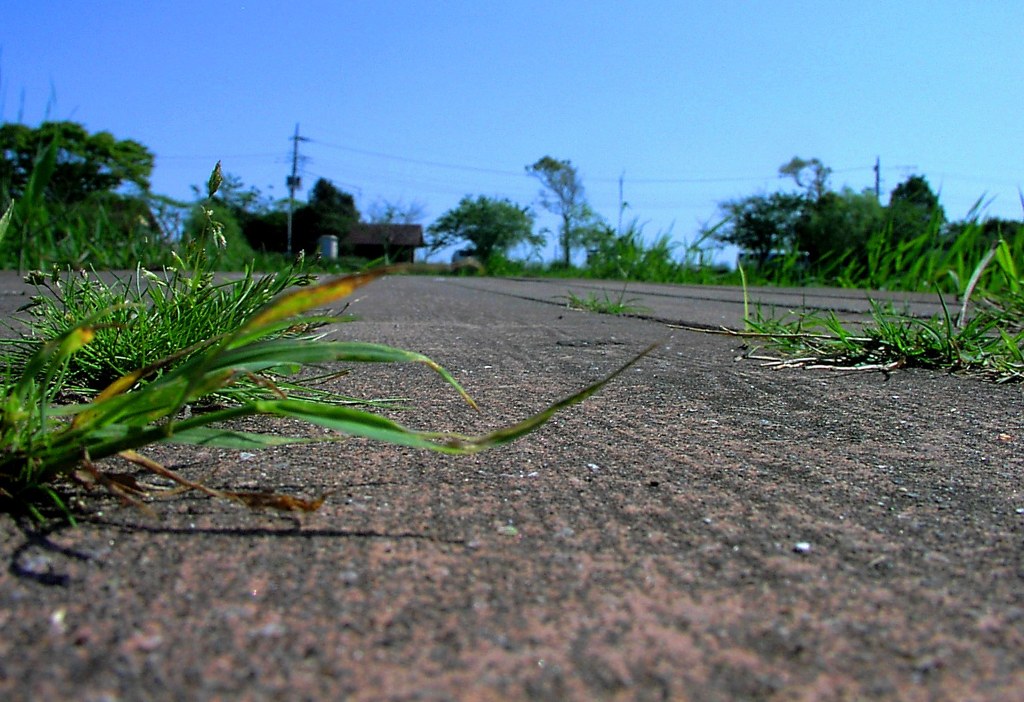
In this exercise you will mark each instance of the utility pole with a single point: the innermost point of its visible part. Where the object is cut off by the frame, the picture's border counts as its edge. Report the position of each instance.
(294, 182)
(621, 203)
(878, 177)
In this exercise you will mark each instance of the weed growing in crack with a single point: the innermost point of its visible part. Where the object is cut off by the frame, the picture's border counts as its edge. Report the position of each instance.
(991, 342)
(605, 304)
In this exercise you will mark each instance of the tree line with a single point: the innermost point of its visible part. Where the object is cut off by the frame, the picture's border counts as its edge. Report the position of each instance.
(87, 197)
(84, 198)
(822, 231)
(826, 227)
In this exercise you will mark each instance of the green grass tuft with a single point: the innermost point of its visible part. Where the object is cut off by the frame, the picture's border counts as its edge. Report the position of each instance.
(990, 342)
(605, 304)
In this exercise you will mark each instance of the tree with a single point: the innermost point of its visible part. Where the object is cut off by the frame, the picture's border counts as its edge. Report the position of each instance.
(335, 210)
(492, 226)
(563, 196)
(329, 211)
(915, 191)
(85, 163)
(761, 225)
(838, 225)
(914, 210)
(386, 212)
(69, 186)
(811, 175)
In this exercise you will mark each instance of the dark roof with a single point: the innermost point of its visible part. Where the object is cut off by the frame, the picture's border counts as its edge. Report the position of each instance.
(386, 234)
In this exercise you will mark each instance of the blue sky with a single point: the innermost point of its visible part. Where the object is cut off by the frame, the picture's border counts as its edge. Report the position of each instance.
(425, 101)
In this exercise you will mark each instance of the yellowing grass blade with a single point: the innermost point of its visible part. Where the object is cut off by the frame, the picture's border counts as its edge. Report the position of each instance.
(5, 221)
(51, 354)
(128, 381)
(304, 299)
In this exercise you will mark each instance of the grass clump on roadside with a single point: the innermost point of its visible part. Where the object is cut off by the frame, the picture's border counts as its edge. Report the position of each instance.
(605, 304)
(145, 318)
(151, 316)
(44, 443)
(989, 342)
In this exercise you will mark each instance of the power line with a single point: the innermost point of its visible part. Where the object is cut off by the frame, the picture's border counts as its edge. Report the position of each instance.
(350, 186)
(523, 174)
(435, 164)
(218, 156)
(674, 180)
(670, 180)
(440, 184)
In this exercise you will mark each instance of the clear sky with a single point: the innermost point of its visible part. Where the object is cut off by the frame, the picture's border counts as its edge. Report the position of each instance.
(425, 101)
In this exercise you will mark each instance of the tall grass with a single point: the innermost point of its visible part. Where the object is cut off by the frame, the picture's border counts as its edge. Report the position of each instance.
(984, 335)
(627, 256)
(932, 261)
(106, 230)
(632, 256)
(941, 258)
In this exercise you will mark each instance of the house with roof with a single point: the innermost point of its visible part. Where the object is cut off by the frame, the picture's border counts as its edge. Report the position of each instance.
(396, 242)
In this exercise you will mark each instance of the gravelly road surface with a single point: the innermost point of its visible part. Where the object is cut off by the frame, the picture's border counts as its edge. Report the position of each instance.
(704, 528)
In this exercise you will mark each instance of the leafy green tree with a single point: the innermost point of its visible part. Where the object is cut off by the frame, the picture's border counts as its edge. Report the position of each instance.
(267, 231)
(836, 227)
(72, 208)
(833, 227)
(914, 210)
(563, 195)
(492, 226)
(330, 212)
(85, 163)
(761, 225)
